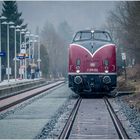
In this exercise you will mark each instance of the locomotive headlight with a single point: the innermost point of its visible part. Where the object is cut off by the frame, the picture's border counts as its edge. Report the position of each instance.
(78, 71)
(106, 71)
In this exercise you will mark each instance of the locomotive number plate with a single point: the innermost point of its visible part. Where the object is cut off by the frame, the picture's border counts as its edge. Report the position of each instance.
(92, 64)
(92, 70)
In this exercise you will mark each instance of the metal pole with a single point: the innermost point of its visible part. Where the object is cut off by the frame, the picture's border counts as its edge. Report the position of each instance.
(33, 51)
(39, 59)
(0, 51)
(8, 51)
(1, 18)
(125, 70)
(15, 57)
(39, 53)
(29, 50)
(25, 58)
(20, 52)
(8, 68)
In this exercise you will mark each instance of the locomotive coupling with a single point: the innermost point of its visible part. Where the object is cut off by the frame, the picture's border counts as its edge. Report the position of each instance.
(106, 80)
(78, 80)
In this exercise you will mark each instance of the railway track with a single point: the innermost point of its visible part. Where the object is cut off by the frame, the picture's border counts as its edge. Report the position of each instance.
(13, 100)
(117, 123)
(69, 126)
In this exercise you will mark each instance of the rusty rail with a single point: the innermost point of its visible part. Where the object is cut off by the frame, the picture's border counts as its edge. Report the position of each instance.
(117, 123)
(68, 126)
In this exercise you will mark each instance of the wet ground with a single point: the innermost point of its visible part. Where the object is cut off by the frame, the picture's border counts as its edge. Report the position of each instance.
(27, 122)
(44, 116)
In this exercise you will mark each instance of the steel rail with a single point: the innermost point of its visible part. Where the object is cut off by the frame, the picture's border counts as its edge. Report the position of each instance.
(68, 126)
(117, 123)
(27, 97)
(22, 91)
(26, 89)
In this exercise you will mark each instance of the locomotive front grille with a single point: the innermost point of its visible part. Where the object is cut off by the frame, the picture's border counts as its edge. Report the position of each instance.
(97, 83)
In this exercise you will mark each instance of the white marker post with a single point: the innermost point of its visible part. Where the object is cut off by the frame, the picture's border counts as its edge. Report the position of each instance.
(124, 60)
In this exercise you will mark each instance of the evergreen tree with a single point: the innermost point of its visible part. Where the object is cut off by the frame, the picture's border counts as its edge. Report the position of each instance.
(10, 11)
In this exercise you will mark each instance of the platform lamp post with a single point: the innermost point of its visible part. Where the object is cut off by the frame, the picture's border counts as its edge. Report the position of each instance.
(8, 65)
(1, 18)
(38, 50)
(38, 54)
(16, 29)
(29, 47)
(22, 31)
(34, 41)
(33, 47)
(29, 42)
(22, 50)
(26, 35)
(20, 41)
(25, 45)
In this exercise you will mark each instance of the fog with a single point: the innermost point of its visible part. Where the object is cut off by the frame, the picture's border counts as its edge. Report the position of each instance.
(79, 14)
(49, 16)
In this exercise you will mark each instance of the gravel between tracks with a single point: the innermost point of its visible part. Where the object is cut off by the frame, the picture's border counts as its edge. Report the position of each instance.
(53, 128)
(129, 117)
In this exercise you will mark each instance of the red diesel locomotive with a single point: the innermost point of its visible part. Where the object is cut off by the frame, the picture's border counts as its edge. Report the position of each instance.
(92, 62)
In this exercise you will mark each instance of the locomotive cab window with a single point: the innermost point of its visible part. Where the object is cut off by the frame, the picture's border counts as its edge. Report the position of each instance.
(81, 36)
(92, 35)
(85, 36)
(77, 37)
(104, 36)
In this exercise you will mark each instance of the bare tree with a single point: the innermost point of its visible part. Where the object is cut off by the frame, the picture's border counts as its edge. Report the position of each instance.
(56, 45)
(44, 60)
(124, 24)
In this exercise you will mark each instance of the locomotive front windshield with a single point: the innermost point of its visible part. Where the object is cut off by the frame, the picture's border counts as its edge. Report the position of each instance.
(89, 35)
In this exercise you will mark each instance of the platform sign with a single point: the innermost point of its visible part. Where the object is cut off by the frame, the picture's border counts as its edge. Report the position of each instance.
(8, 71)
(30, 57)
(2, 53)
(26, 55)
(123, 56)
(20, 57)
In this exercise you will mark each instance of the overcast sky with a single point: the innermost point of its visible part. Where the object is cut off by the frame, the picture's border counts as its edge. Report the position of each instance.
(79, 15)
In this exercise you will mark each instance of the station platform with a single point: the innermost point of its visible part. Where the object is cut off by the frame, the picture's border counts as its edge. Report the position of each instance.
(17, 86)
(17, 81)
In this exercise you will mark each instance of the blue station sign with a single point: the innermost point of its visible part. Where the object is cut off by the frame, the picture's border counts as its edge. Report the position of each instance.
(2, 53)
(20, 57)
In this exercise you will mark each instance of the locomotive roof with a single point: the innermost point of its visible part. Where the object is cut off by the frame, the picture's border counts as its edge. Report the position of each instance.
(76, 37)
(92, 30)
